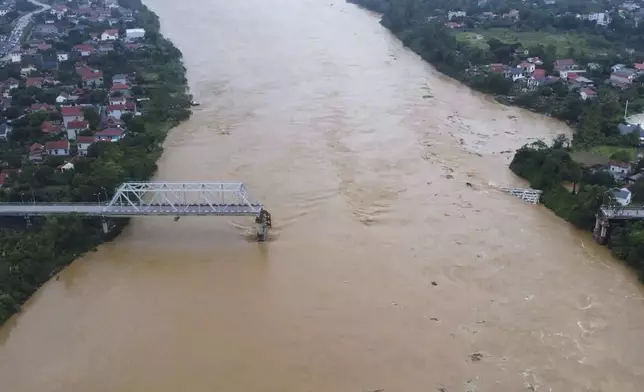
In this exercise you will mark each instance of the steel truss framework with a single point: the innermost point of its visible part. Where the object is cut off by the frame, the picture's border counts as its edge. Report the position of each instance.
(200, 198)
(154, 198)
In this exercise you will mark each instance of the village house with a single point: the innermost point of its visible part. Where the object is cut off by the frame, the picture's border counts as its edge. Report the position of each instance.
(62, 98)
(527, 67)
(71, 113)
(75, 127)
(120, 78)
(4, 175)
(16, 57)
(5, 131)
(62, 56)
(110, 135)
(121, 88)
(42, 107)
(619, 169)
(116, 111)
(623, 77)
(565, 66)
(84, 50)
(91, 77)
(617, 67)
(456, 14)
(57, 148)
(34, 82)
(627, 129)
(601, 18)
(49, 127)
(67, 166)
(83, 143)
(587, 93)
(59, 10)
(513, 14)
(36, 153)
(622, 196)
(117, 100)
(110, 35)
(134, 34)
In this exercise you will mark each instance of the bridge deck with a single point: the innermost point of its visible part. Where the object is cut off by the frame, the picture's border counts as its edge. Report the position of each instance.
(40, 209)
(623, 212)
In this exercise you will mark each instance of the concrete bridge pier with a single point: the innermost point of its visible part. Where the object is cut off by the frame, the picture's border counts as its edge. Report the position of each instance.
(106, 227)
(600, 233)
(263, 224)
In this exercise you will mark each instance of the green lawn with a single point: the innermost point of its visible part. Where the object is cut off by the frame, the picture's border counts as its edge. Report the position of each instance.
(563, 41)
(607, 151)
(600, 155)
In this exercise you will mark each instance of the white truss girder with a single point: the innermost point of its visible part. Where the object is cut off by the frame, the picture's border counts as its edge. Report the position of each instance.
(526, 194)
(182, 196)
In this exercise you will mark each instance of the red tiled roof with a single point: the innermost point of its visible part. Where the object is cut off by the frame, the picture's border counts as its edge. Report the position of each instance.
(48, 127)
(86, 139)
(42, 106)
(77, 125)
(572, 76)
(119, 86)
(619, 164)
(57, 145)
(130, 106)
(88, 73)
(589, 91)
(31, 82)
(110, 132)
(639, 65)
(43, 46)
(116, 107)
(565, 62)
(5, 173)
(36, 148)
(71, 111)
(111, 32)
(539, 73)
(84, 48)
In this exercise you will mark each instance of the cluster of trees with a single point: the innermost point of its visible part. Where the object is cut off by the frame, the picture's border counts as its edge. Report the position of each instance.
(551, 168)
(31, 257)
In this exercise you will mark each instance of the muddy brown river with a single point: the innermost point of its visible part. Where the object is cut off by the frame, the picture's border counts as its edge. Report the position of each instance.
(384, 270)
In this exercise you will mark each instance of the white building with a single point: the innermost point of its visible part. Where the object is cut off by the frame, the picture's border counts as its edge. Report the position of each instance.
(16, 57)
(622, 196)
(62, 56)
(456, 14)
(601, 18)
(110, 35)
(132, 34)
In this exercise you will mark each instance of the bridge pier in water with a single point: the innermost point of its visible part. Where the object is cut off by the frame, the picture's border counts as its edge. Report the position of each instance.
(600, 232)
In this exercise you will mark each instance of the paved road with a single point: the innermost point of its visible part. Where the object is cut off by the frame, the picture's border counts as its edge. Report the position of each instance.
(14, 39)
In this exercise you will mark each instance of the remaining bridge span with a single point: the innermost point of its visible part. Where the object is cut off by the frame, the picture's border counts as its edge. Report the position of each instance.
(159, 199)
(610, 215)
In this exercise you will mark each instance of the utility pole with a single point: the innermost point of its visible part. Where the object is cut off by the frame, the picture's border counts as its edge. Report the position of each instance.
(626, 110)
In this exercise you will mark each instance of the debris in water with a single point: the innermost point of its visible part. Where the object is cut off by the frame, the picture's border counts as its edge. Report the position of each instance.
(394, 303)
(434, 283)
(475, 357)
(433, 319)
(442, 389)
(427, 96)
(449, 176)
(469, 184)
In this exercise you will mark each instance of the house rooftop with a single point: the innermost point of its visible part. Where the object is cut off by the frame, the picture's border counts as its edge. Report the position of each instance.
(57, 145)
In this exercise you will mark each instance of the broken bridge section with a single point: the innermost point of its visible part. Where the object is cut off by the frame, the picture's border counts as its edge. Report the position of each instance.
(528, 195)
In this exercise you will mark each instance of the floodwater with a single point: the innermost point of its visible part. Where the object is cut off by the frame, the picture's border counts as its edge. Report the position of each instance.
(385, 269)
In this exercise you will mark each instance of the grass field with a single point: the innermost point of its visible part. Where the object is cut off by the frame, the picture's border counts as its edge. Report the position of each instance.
(563, 41)
(600, 155)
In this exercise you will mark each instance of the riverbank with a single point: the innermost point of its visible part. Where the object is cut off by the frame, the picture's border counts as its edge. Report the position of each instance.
(545, 167)
(148, 67)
